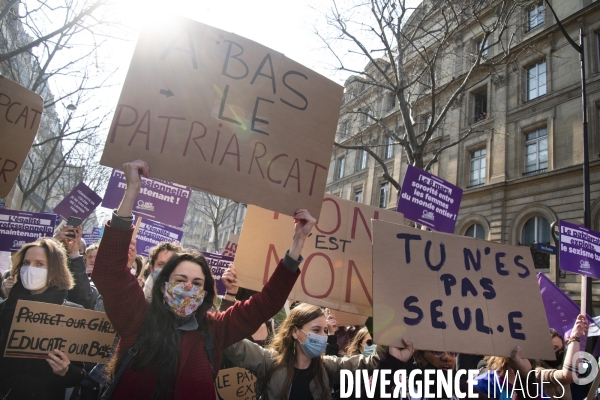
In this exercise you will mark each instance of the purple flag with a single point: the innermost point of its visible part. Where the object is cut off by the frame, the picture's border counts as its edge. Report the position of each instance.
(429, 200)
(561, 311)
(152, 233)
(158, 200)
(20, 227)
(579, 250)
(218, 263)
(81, 202)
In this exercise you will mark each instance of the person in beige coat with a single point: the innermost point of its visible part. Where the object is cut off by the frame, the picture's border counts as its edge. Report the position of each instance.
(293, 367)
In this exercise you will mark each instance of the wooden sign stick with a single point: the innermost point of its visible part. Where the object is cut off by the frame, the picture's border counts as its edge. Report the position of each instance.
(137, 227)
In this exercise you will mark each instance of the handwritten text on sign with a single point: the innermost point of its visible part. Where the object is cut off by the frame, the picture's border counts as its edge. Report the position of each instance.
(20, 115)
(20, 227)
(452, 293)
(39, 328)
(579, 249)
(236, 384)
(336, 272)
(221, 113)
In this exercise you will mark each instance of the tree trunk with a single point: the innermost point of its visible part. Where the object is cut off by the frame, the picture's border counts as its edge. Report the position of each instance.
(216, 238)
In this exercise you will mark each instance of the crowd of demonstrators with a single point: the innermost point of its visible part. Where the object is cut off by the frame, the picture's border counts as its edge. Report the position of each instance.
(157, 259)
(362, 343)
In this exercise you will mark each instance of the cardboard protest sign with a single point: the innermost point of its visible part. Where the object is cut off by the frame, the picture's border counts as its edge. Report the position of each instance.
(20, 227)
(336, 272)
(347, 319)
(236, 384)
(20, 115)
(158, 200)
(81, 202)
(226, 115)
(429, 200)
(231, 246)
(218, 263)
(152, 233)
(579, 249)
(453, 293)
(38, 328)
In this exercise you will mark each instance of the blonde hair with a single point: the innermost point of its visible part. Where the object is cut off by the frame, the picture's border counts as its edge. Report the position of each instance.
(58, 271)
(498, 364)
(354, 346)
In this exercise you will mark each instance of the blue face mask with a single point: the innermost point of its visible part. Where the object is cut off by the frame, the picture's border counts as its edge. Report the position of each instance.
(368, 350)
(314, 345)
(155, 274)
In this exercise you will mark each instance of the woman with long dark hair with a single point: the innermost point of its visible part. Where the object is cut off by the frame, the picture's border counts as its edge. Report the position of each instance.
(293, 367)
(171, 348)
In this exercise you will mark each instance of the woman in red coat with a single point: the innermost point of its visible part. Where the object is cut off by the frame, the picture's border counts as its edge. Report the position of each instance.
(172, 330)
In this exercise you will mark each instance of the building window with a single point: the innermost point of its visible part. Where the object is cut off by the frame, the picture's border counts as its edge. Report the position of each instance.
(345, 129)
(535, 16)
(362, 160)
(480, 105)
(477, 171)
(388, 149)
(536, 151)
(478, 46)
(426, 122)
(339, 171)
(475, 231)
(391, 103)
(537, 230)
(358, 195)
(367, 118)
(383, 194)
(536, 81)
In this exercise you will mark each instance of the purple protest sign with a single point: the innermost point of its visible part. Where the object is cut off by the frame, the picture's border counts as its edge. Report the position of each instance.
(561, 311)
(152, 233)
(96, 231)
(218, 263)
(80, 203)
(429, 200)
(90, 238)
(579, 249)
(20, 227)
(158, 200)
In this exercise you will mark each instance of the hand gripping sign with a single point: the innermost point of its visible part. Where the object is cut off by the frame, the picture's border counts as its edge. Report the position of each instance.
(220, 113)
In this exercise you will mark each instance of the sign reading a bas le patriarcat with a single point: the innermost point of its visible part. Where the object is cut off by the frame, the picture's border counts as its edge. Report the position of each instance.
(452, 293)
(220, 113)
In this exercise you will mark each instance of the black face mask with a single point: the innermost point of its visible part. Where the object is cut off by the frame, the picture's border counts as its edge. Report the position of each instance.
(560, 355)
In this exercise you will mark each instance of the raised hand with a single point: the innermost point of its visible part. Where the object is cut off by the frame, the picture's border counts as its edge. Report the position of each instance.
(133, 175)
(303, 222)
(73, 245)
(229, 279)
(403, 354)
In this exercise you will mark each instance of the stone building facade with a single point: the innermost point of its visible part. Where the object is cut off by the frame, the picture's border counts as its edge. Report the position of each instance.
(522, 170)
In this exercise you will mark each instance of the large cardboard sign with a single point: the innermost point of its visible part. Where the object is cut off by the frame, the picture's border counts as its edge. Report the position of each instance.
(218, 263)
(236, 384)
(453, 293)
(336, 272)
(152, 233)
(81, 202)
(20, 115)
(429, 200)
(20, 227)
(158, 200)
(579, 249)
(220, 113)
(38, 328)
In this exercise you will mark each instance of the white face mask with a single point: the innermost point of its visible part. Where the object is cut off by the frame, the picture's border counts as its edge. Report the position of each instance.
(33, 278)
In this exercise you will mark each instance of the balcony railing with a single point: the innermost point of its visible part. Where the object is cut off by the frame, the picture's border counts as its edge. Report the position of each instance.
(475, 186)
(537, 171)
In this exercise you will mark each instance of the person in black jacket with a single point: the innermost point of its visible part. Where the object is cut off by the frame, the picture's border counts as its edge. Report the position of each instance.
(41, 274)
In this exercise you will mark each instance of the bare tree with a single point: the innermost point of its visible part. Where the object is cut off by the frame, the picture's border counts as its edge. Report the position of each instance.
(216, 209)
(418, 69)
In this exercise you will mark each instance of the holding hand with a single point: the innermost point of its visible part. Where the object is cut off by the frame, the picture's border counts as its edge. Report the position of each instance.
(403, 354)
(73, 245)
(581, 326)
(133, 175)
(59, 362)
(332, 325)
(303, 222)
(229, 279)
(132, 253)
(517, 363)
(7, 284)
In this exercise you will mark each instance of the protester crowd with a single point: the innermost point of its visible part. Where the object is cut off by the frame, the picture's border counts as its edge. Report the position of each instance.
(172, 338)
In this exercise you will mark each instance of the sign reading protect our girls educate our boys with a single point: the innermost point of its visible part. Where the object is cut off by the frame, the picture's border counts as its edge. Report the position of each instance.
(429, 200)
(452, 293)
(20, 227)
(223, 114)
(579, 249)
(158, 200)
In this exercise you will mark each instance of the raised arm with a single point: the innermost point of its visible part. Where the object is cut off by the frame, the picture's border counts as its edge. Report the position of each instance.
(82, 292)
(123, 297)
(568, 373)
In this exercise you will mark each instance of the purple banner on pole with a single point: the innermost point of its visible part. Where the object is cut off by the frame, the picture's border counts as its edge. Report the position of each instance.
(20, 227)
(81, 202)
(579, 249)
(90, 238)
(429, 200)
(561, 311)
(218, 263)
(152, 233)
(158, 200)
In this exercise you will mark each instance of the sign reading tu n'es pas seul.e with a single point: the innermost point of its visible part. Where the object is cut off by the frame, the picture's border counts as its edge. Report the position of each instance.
(20, 227)
(152, 233)
(39, 328)
(81, 202)
(429, 200)
(579, 249)
(226, 115)
(453, 293)
(158, 200)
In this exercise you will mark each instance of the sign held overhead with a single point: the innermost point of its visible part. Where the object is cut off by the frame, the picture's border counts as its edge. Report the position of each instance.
(220, 113)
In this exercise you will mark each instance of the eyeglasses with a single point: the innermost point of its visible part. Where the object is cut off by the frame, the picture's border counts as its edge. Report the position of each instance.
(441, 353)
(370, 342)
